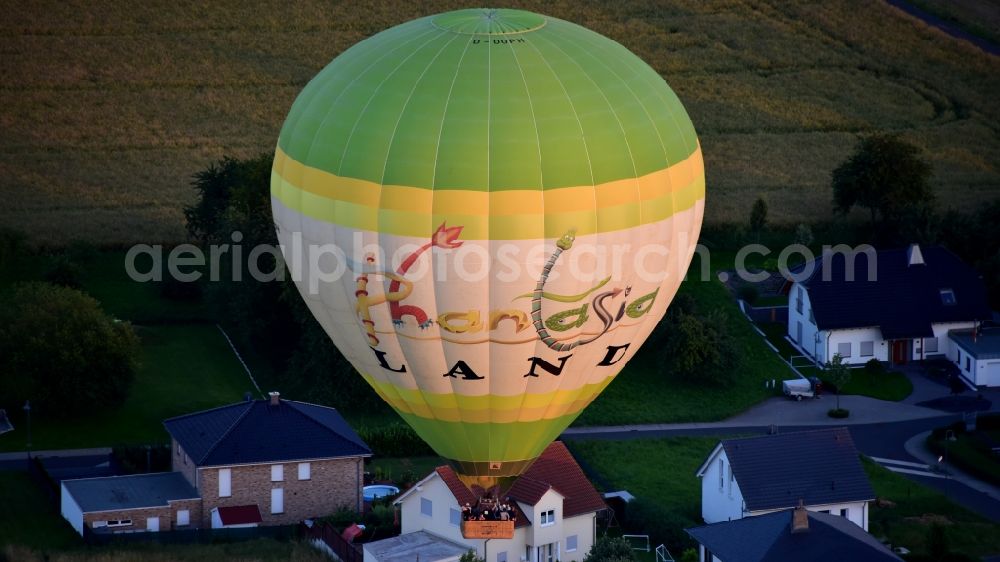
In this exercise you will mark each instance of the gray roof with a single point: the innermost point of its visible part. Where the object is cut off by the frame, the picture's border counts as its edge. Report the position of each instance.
(817, 467)
(768, 538)
(421, 545)
(129, 492)
(986, 345)
(257, 432)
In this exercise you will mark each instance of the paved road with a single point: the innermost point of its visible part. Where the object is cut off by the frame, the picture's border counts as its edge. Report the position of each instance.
(948, 27)
(884, 440)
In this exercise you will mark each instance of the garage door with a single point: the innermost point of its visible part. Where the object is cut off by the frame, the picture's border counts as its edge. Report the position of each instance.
(993, 373)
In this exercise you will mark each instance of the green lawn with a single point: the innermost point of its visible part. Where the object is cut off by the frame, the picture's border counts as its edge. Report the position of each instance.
(247, 551)
(28, 518)
(185, 368)
(970, 453)
(663, 470)
(917, 507)
(640, 394)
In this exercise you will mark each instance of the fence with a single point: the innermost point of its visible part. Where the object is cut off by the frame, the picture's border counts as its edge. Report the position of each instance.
(191, 536)
(327, 533)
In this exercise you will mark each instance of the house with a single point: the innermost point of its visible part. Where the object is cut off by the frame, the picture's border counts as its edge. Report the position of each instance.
(419, 545)
(976, 353)
(790, 534)
(894, 305)
(753, 476)
(292, 460)
(140, 502)
(257, 462)
(555, 512)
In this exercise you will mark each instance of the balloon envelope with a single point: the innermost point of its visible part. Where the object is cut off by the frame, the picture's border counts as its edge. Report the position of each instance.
(488, 211)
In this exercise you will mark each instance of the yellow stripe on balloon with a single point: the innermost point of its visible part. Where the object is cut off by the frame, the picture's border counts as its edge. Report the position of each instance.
(488, 407)
(507, 215)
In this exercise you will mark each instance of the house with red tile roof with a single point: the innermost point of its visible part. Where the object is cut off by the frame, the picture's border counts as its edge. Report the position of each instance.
(553, 506)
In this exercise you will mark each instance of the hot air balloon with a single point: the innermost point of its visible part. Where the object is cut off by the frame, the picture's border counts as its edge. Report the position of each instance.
(488, 211)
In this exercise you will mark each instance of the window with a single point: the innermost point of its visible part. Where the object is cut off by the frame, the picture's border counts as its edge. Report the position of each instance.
(183, 517)
(798, 332)
(177, 448)
(225, 482)
(845, 512)
(571, 543)
(722, 474)
(867, 348)
(798, 300)
(97, 524)
(305, 471)
(548, 517)
(185, 458)
(947, 296)
(426, 507)
(968, 364)
(844, 349)
(502, 556)
(119, 522)
(731, 478)
(930, 345)
(277, 472)
(277, 500)
(455, 516)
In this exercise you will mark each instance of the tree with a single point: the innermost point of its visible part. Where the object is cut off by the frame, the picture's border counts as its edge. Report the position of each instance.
(758, 217)
(610, 549)
(470, 556)
(839, 374)
(699, 349)
(885, 175)
(61, 351)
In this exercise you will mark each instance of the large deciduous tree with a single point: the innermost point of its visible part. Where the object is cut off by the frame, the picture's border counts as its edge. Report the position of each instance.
(62, 352)
(887, 176)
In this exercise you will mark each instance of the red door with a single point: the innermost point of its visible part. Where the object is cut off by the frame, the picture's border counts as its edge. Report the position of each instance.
(899, 352)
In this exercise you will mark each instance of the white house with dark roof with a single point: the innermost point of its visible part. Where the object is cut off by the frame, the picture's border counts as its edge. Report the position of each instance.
(758, 475)
(892, 305)
(555, 515)
(790, 534)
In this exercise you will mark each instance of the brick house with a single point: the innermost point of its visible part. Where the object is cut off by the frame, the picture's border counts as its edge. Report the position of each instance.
(257, 462)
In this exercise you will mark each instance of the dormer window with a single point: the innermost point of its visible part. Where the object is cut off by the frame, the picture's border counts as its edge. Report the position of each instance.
(548, 518)
(947, 297)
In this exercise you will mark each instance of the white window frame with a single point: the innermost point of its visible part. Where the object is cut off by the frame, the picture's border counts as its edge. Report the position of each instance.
(946, 295)
(732, 478)
(183, 517)
(277, 501)
(119, 523)
(426, 507)
(305, 471)
(455, 517)
(861, 348)
(277, 473)
(225, 482)
(548, 517)
(575, 543)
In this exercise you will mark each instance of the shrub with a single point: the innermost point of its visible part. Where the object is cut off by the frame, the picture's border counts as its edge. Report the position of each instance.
(610, 549)
(874, 367)
(839, 413)
(84, 363)
(803, 234)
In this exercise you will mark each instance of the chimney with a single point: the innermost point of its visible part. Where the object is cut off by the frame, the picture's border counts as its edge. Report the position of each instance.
(800, 520)
(275, 398)
(914, 256)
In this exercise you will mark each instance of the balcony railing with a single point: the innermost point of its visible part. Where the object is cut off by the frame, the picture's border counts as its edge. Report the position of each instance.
(488, 529)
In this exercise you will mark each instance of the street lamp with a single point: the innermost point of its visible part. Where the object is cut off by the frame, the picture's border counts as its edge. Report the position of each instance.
(27, 414)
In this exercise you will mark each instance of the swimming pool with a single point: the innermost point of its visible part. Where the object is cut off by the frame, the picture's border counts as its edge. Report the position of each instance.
(377, 491)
